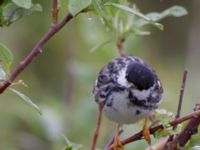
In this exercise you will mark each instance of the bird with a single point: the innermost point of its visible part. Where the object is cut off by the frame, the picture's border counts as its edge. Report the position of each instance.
(129, 90)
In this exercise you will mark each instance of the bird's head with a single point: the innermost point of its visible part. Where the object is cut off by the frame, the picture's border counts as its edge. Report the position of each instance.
(140, 75)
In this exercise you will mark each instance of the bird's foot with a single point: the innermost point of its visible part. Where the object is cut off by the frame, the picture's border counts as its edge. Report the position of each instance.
(117, 143)
(146, 132)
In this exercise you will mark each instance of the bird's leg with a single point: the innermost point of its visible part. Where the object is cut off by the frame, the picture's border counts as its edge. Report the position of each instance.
(96, 133)
(146, 132)
(117, 143)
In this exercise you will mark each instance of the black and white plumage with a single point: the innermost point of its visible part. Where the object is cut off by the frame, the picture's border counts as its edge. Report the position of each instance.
(129, 89)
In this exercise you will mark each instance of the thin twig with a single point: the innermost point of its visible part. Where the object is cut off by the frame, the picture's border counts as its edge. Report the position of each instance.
(180, 102)
(120, 46)
(139, 135)
(182, 89)
(35, 51)
(98, 125)
(55, 12)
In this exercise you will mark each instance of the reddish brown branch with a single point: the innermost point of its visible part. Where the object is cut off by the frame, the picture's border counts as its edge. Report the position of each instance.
(55, 12)
(139, 135)
(120, 47)
(182, 89)
(180, 102)
(35, 51)
(98, 125)
(186, 133)
(191, 128)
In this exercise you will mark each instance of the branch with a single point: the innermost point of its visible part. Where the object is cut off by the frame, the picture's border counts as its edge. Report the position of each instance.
(180, 102)
(55, 12)
(186, 134)
(120, 46)
(139, 135)
(35, 51)
(182, 89)
(190, 129)
(98, 125)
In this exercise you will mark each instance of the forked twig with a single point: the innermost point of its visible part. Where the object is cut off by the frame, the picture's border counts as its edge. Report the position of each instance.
(139, 135)
(37, 48)
(186, 133)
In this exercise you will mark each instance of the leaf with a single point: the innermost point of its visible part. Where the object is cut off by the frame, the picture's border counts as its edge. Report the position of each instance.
(135, 31)
(130, 10)
(2, 74)
(174, 11)
(71, 145)
(99, 46)
(23, 3)
(197, 147)
(76, 6)
(12, 12)
(137, 13)
(27, 100)
(6, 58)
(100, 8)
(36, 8)
(164, 117)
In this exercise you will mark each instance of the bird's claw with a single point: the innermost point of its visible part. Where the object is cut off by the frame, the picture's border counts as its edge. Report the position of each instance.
(146, 133)
(117, 143)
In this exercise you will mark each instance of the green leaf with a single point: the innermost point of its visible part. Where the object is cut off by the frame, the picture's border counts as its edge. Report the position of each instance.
(76, 6)
(175, 11)
(101, 11)
(23, 3)
(99, 46)
(6, 58)
(12, 12)
(70, 145)
(2, 74)
(27, 100)
(36, 8)
(164, 117)
(137, 13)
(130, 10)
(197, 147)
(99, 7)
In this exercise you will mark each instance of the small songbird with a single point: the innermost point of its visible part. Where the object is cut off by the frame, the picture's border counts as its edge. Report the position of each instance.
(129, 90)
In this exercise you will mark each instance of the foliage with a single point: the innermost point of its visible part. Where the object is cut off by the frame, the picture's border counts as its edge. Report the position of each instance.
(6, 59)
(164, 117)
(26, 100)
(70, 145)
(12, 10)
(123, 21)
(77, 6)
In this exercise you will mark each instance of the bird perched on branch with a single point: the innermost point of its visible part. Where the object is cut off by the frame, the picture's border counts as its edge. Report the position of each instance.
(128, 90)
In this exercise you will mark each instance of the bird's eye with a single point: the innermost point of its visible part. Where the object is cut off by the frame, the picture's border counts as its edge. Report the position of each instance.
(140, 75)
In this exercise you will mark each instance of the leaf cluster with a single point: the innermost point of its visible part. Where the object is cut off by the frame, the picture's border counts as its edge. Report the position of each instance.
(163, 117)
(122, 18)
(12, 10)
(70, 145)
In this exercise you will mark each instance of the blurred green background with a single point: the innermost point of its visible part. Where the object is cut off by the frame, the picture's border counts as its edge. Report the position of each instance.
(61, 79)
